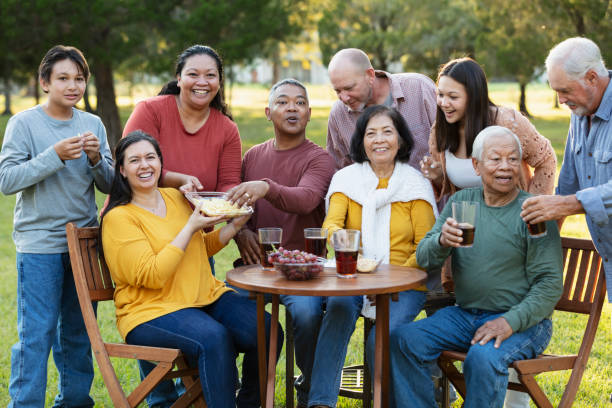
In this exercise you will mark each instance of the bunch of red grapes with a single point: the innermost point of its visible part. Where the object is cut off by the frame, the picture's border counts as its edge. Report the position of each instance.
(296, 265)
(285, 256)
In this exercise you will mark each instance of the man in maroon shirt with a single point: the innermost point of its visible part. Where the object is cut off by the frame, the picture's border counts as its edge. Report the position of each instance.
(286, 179)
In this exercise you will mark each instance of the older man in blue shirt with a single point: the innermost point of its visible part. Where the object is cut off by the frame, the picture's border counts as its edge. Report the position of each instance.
(578, 75)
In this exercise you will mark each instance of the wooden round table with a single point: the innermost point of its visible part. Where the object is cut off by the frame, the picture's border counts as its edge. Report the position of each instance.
(386, 281)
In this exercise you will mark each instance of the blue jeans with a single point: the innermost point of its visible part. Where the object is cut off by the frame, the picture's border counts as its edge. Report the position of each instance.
(412, 346)
(211, 338)
(165, 394)
(321, 338)
(403, 311)
(49, 319)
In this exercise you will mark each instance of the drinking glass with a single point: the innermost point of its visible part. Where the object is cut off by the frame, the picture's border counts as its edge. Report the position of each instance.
(315, 241)
(269, 241)
(346, 246)
(536, 230)
(465, 213)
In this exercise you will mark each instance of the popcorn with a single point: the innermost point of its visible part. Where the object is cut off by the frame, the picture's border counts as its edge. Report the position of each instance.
(214, 207)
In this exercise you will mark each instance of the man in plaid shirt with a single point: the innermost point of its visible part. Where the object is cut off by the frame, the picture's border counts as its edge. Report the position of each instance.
(358, 86)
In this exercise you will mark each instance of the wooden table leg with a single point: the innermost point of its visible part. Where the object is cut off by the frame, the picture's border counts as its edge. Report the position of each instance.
(289, 358)
(272, 354)
(261, 344)
(381, 354)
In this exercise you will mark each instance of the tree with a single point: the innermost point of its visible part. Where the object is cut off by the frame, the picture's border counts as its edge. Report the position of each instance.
(377, 27)
(419, 34)
(113, 32)
(117, 30)
(514, 42)
(439, 31)
(21, 47)
(585, 18)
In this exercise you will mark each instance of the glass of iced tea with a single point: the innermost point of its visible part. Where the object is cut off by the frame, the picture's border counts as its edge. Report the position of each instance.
(269, 241)
(465, 213)
(346, 247)
(315, 241)
(537, 230)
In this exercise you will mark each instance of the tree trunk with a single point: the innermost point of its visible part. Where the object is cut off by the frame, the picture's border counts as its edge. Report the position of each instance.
(107, 105)
(556, 105)
(88, 107)
(228, 96)
(36, 89)
(522, 102)
(275, 65)
(7, 96)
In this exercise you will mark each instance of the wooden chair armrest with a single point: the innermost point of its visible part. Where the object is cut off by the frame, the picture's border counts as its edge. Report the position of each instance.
(453, 355)
(142, 352)
(544, 363)
(187, 372)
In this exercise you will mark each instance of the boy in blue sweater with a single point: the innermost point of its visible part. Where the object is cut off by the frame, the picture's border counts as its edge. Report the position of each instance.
(52, 156)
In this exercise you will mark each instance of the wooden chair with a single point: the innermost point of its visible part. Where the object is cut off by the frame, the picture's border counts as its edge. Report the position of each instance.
(583, 292)
(94, 284)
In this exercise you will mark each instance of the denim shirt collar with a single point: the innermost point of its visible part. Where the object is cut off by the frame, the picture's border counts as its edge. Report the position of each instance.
(604, 111)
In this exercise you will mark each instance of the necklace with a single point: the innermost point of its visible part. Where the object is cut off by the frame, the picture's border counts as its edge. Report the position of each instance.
(158, 209)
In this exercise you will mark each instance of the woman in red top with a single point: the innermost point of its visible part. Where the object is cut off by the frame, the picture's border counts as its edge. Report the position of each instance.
(199, 140)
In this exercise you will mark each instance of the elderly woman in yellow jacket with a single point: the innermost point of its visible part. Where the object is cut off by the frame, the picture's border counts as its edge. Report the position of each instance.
(389, 201)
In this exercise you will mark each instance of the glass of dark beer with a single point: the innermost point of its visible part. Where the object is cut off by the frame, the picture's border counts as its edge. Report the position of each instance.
(346, 247)
(315, 241)
(465, 213)
(269, 241)
(536, 230)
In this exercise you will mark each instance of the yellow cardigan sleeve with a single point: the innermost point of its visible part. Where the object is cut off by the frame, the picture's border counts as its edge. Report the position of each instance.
(336, 215)
(422, 218)
(211, 240)
(129, 254)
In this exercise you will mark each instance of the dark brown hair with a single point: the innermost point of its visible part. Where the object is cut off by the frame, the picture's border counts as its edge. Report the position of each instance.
(121, 192)
(60, 53)
(171, 88)
(478, 113)
(405, 141)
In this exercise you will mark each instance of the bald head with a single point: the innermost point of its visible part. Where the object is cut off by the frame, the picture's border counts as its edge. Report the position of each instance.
(352, 76)
(350, 58)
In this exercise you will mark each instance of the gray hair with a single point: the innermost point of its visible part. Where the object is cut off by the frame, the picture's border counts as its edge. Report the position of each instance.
(488, 132)
(286, 81)
(576, 56)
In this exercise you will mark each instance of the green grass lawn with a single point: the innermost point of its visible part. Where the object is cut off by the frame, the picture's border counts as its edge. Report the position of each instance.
(248, 104)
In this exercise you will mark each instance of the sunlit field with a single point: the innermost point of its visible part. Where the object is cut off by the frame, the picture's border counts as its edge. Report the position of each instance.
(247, 106)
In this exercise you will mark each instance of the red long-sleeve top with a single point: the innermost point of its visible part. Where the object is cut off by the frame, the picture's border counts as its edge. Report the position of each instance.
(212, 154)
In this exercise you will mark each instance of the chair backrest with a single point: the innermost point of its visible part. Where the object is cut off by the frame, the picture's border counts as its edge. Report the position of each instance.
(583, 292)
(84, 244)
(583, 285)
(93, 283)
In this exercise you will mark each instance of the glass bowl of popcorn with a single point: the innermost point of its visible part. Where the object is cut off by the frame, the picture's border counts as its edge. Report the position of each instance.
(215, 204)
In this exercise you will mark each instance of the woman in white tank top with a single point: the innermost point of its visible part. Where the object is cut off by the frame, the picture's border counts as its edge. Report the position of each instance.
(464, 109)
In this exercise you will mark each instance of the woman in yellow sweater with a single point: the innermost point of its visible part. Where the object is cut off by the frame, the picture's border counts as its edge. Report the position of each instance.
(389, 201)
(166, 295)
